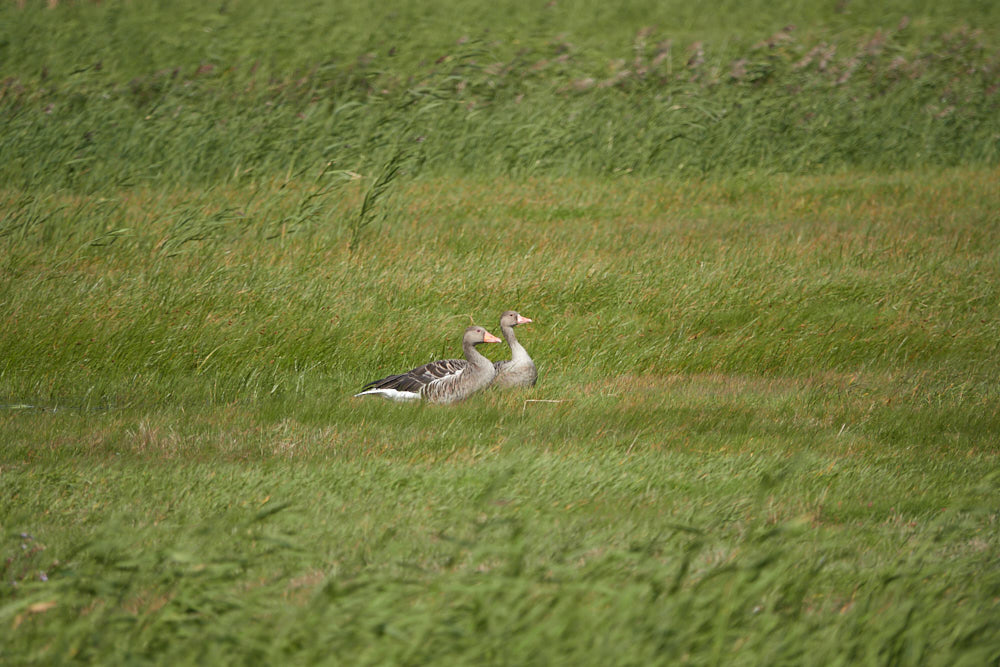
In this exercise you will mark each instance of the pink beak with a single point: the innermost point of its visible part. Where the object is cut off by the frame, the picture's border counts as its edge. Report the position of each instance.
(521, 319)
(490, 338)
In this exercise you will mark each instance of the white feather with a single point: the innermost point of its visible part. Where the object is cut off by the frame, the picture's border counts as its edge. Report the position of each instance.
(392, 394)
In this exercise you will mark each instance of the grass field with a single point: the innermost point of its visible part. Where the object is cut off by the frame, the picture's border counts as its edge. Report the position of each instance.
(763, 266)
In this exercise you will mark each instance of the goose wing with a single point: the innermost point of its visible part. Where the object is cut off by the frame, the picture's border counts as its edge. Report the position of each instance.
(413, 380)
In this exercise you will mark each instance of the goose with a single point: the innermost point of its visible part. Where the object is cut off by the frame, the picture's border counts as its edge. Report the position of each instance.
(445, 381)
(519, 370)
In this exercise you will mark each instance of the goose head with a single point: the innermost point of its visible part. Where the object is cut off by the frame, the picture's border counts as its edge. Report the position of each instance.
(511, 318)
(475, 335)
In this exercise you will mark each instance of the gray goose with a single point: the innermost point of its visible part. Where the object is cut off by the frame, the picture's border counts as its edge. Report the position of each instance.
(445, 381)
(519, 370)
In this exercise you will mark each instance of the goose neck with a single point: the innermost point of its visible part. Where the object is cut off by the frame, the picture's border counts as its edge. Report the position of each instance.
(474, 357)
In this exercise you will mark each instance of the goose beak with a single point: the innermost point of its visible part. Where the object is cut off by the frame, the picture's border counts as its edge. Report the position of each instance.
(521, 319)
(490, 338)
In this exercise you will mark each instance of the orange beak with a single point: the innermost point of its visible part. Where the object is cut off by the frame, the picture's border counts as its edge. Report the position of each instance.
(490, 338)
(522, 319)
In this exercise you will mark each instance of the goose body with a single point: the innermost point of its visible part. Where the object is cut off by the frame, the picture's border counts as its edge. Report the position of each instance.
(519, 370)
(445, 381)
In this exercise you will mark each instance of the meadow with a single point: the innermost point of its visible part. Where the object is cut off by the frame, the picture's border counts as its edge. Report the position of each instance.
(761, 253)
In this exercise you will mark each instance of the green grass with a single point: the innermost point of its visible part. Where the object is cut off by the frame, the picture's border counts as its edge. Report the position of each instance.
(776, 435)
(124, 95)
(764, 287)
(518, 557)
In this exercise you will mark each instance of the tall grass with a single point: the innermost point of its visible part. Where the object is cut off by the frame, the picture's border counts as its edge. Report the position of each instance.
(245, 292)
(85, 109)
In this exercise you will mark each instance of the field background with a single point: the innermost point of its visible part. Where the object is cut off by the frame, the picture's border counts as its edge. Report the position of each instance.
(760, 246)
